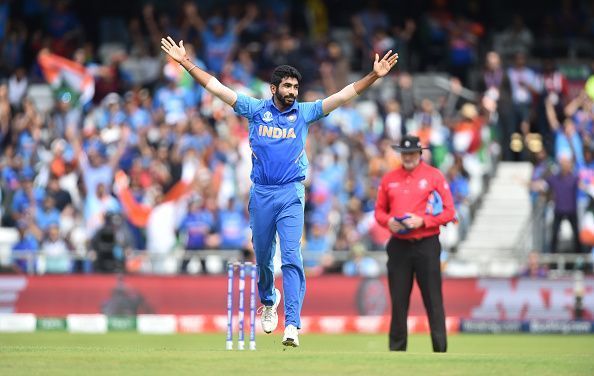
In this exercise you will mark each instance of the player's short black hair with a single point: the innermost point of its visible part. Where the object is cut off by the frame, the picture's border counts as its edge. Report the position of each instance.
(284, 71)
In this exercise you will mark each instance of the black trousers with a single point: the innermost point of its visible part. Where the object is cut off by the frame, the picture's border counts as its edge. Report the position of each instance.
(572, 218)
(408, 260)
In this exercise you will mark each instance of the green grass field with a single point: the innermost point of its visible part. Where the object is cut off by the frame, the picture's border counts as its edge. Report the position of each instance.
(362, 355)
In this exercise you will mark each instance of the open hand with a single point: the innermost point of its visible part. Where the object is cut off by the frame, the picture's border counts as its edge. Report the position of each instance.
(383, 66)
(177, 53)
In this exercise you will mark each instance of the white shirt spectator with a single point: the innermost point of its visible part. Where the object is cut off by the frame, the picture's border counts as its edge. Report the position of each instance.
(17, 88)
(519, 80)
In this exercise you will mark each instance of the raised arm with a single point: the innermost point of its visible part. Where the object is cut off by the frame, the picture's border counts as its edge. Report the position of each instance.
(193, 16)
(551, 115)
(148, 13)
(575, 104)
(210, 83)
(114, 160)
(380, 69)
(250, 16)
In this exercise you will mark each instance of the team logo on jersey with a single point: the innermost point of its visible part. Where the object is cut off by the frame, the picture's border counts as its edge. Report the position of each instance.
(292, 118)
(275, 132)
(393, 185)
(267, 116)
(422, 184)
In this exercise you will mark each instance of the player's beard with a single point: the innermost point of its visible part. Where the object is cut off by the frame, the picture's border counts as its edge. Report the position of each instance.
(284, 100)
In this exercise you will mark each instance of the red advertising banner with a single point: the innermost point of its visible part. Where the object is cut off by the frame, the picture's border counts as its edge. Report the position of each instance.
(502, 299)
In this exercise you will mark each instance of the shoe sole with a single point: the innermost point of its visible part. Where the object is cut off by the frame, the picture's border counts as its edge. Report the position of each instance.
(290, 342)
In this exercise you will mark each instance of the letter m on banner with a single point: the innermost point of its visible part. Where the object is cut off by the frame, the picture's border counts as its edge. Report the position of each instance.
(506, 299)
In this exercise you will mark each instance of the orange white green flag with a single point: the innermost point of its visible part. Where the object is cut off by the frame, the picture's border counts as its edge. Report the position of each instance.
(71, 81)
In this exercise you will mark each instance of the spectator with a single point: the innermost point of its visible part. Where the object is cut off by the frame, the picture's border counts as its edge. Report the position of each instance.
(581, 111)
(534, 269)
(218, 39)
(496, 89)
(567, 140)
(359, 264)
(62, 23)
(57, 165)
(462, 53)
(65, 117)
(97, 207)
(516, 39)
(73, 231)
(367, 24)
(433, 36)
(12, 52)
(138, 117)
(94, 168)
(316, 245)
(335, 70)
(55, 252)
(467, 131)
(25, 250)
(27, 198)
(233, 226)
(555, 90)
(524, 85)
(199, 229)
(458, 181)
(173, 100)
(60, 196)
(18, 84)
(543, 169)
(564, 188)
(394, 121)
(47, 215)
(427, 123)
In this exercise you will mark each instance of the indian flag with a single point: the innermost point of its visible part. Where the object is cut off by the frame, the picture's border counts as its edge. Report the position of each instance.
(175, 72)
(67, 76)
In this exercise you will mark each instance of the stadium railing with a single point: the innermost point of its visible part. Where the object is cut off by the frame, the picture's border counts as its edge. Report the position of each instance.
(140, 261)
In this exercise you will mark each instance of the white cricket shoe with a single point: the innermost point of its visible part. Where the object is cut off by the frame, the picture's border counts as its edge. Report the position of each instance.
(291, 337)
(269, 316)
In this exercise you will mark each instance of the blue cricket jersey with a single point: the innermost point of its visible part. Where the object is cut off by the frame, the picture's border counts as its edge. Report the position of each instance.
(278, 138)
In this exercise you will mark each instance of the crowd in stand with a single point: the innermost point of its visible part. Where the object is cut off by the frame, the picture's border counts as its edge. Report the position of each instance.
(562, 180)
(153, 162)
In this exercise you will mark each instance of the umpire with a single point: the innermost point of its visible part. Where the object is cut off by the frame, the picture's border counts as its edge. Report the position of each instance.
(412, 202)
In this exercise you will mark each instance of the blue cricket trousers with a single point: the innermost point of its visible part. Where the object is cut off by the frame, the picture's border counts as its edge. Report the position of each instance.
(279, 208)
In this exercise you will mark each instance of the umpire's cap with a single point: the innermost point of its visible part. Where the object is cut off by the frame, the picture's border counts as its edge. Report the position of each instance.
(409, 144)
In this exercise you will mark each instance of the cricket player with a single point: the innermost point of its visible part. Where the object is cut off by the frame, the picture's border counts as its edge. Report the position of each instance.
(277, 131)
